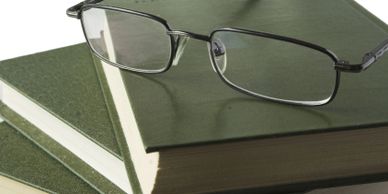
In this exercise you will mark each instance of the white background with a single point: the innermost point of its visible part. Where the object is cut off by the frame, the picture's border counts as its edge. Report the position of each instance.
(30, 26)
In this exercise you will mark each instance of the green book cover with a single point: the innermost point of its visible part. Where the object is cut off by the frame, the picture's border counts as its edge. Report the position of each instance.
(193, 106)
(58, 92)
(22, 160)
(189, 106)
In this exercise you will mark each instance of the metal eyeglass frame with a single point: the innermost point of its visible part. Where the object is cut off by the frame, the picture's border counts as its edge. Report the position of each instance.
(179, 39)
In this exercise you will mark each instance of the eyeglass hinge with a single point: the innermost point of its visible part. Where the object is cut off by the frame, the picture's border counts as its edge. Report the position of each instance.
(75, 11)
(345, 66)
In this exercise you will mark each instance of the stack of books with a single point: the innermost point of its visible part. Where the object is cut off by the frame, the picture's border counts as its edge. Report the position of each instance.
(73, 124)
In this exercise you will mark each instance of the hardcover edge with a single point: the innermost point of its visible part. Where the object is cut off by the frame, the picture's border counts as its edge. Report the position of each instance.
(50, 111)
(118, 131)
(59, 153)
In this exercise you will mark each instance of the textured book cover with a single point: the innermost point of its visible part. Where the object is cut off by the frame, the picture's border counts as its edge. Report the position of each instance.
(23, 161)
(63, 85)
(189, 105)
(64, 82)
(193, 106)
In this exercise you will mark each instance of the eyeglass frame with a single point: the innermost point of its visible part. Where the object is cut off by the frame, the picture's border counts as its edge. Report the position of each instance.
(176, 46)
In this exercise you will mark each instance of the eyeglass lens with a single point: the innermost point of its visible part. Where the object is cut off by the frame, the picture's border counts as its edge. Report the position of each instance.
(273, 68)
(127, 39)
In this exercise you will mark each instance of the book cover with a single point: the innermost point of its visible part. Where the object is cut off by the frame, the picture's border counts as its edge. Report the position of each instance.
(190, 107)
(193, 106)
(23, 161)
(58, 94)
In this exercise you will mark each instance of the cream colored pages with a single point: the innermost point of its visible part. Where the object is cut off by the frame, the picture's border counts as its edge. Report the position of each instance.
(9, 186)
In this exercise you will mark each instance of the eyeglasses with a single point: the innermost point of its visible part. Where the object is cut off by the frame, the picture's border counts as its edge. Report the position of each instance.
(264, 65)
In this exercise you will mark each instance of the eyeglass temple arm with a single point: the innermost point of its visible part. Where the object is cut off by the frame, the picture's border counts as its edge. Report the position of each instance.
(367, 60)
(75, 11)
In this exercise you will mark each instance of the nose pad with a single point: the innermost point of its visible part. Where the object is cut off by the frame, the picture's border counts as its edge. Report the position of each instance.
(181, 42)
(219, 53)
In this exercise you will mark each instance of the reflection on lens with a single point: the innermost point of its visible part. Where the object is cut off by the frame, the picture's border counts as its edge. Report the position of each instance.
(130, 40)
(220, 56)
(274, 68)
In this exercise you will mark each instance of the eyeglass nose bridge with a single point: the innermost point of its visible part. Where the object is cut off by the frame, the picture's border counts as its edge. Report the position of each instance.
(180, 41)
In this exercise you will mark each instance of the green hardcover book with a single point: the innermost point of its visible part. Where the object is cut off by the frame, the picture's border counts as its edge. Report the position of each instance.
(25, 168)
(188, 132)
(58, 93)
